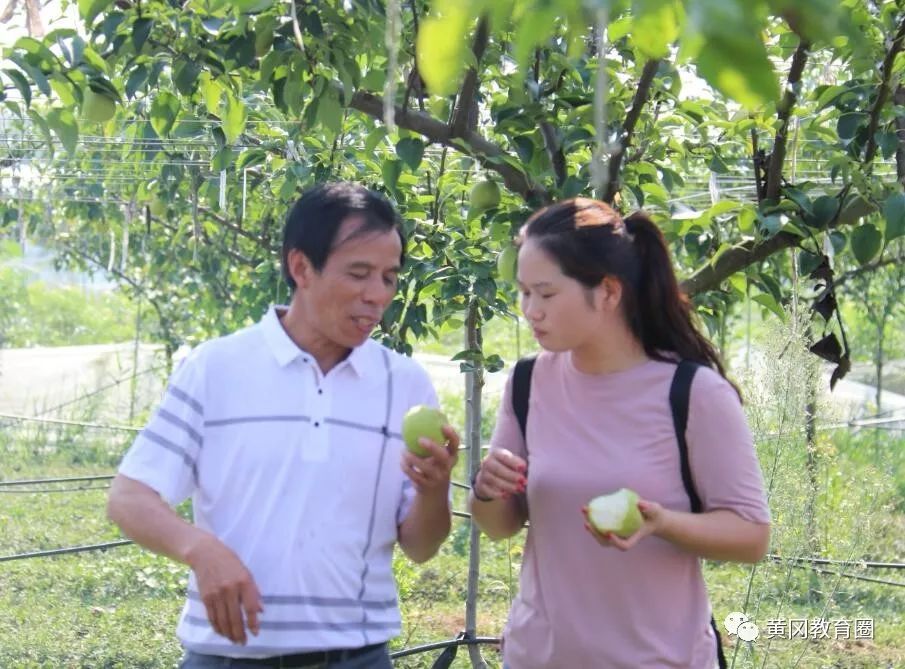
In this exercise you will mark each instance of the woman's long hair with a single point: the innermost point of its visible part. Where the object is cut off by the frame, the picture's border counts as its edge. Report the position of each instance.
(589, 240)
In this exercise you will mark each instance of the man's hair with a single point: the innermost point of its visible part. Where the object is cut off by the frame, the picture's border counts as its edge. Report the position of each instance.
(315, 218)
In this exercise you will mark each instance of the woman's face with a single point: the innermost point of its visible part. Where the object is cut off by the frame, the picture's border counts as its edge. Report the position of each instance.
(564, 314)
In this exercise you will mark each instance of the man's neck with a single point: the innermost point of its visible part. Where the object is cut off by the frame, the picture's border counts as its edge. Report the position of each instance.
(326, 353)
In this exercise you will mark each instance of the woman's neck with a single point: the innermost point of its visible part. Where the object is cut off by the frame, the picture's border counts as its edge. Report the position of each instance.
(615, 353)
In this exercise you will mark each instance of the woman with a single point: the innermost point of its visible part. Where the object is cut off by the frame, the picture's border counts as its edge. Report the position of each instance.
(604, 304)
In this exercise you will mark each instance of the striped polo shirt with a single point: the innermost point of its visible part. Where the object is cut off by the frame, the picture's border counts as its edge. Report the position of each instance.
(298, 473)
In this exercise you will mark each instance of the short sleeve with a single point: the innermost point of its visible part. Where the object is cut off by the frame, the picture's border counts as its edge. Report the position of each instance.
(724, 465)
(423, 392)
(507, 433)
(164, 454)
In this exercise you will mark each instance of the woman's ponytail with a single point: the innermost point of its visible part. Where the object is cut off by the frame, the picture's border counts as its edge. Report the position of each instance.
(662, 316)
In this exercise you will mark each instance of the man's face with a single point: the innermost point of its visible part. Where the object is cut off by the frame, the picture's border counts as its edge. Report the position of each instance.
(347, 298)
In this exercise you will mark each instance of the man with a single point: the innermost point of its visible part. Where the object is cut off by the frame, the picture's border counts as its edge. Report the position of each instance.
(287, 436)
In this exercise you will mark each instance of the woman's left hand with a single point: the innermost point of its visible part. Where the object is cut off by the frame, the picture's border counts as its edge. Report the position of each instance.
(653, 514)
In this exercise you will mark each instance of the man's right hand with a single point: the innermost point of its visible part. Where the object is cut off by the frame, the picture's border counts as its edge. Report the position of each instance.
(227, 589)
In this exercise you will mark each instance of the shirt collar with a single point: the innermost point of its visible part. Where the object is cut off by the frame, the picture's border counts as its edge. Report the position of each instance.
(363, 359)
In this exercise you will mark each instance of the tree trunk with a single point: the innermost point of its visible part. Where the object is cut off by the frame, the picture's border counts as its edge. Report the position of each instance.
(812, 476)
(474, 384)
(878, 364)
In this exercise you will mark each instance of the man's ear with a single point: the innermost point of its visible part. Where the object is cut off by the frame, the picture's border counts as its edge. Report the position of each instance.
(609, 294)
(299, 267)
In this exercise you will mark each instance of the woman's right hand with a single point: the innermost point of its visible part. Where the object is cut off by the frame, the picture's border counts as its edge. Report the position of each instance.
(502, 475)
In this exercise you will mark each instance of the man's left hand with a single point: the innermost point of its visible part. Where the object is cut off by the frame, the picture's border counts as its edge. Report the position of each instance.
(431, 473)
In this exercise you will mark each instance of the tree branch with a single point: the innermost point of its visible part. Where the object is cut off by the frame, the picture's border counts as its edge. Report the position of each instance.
(899, 100)
(748, 253)
(554, 151)
(466, 99)
(122, 276)
(490, 155)
(783, 112)
(883, 92)
(223, 222)
(869, 267)
(642, 93)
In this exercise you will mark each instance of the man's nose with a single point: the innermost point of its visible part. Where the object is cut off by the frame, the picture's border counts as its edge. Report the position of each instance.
(377, 291)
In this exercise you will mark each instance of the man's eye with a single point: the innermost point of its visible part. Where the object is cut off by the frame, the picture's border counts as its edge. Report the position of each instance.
(358, 275)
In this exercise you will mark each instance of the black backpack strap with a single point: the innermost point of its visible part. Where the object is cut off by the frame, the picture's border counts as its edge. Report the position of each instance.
(521, 392)
(679, 398)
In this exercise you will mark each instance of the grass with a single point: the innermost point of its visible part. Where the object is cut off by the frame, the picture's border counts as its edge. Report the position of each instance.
(119, 608)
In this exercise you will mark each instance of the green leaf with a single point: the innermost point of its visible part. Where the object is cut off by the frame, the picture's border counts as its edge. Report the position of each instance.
(265, 27)
(800, 198)
(894, 213)
(770, 303)
(718, 165)
(534, 29)
(89, 9)
(21, 83)
(524, 147)
(38, 54)
(737, 65)
(211, 91)
(808, 262)
(136, 81)
(251, 6)
(294, 91)
(441, 47)
(411, 151)
(163, 112)
(93, 58)
(222, 159)
(723, 207)
(37, 76)
(866, 241)
(771, 224)
(746, 218)
(739, 281)
(141, 30)
(65, 127)
(374, 138)
(655, 26)
(250, 158)
(42, 126)
(824, 210)
(185, 74)
(848, 124)
(391, 169)
(234, 117)
(329, 111)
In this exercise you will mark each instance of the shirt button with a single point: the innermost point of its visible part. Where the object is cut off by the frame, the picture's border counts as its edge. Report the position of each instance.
(316, 424)
(320, 391)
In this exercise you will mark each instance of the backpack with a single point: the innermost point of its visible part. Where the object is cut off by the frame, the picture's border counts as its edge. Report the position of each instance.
(679, 395)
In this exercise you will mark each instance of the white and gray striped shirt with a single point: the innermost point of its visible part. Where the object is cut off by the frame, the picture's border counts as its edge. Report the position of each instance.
(297, 472)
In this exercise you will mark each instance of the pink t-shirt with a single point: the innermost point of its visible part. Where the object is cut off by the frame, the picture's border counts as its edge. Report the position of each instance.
(584, 606)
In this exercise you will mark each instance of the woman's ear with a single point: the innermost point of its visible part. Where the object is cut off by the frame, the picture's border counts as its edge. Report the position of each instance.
(609, 293)
(299, 267)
